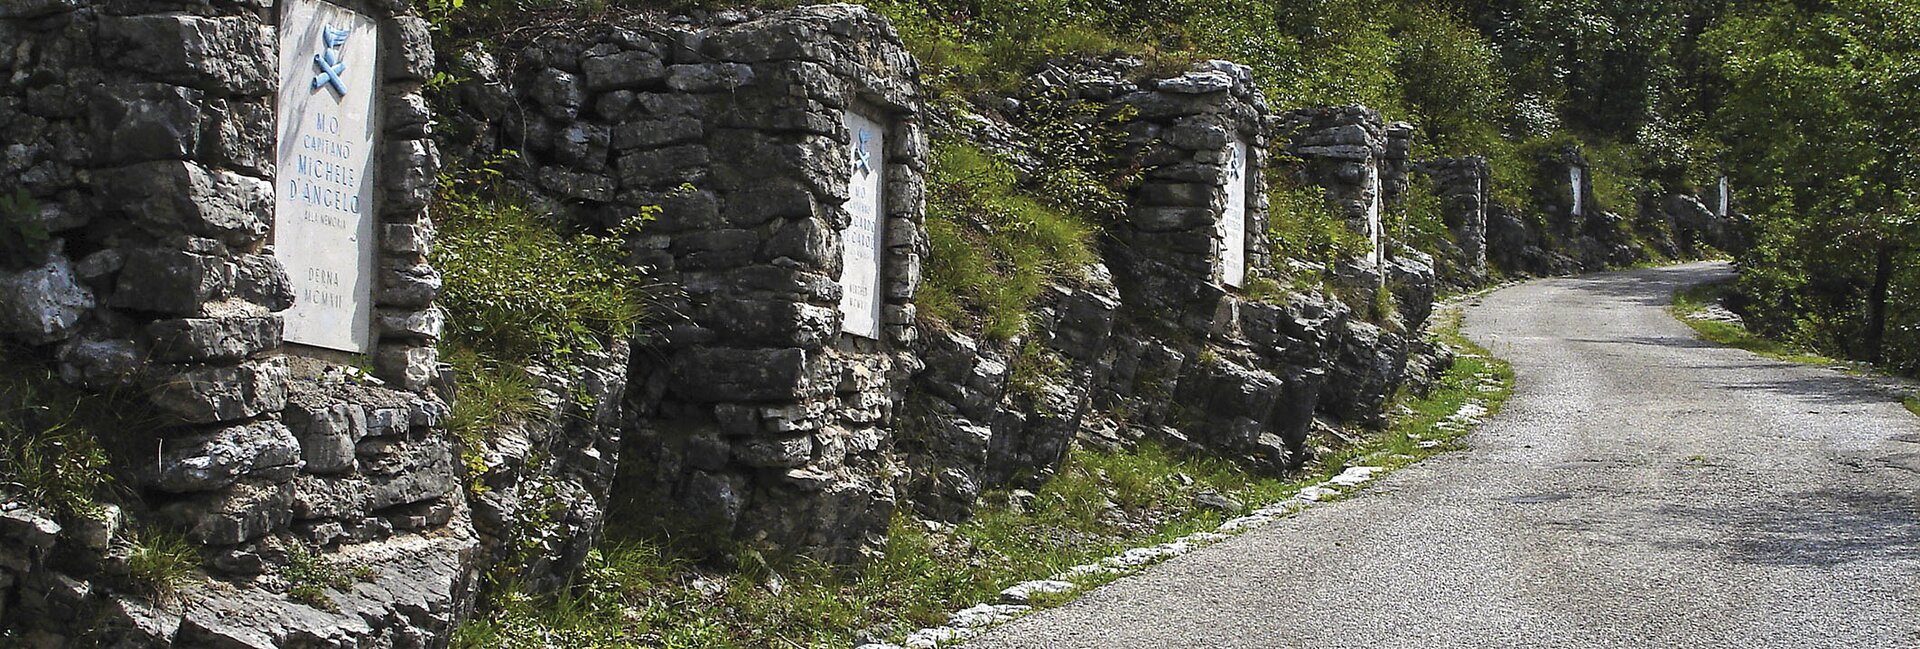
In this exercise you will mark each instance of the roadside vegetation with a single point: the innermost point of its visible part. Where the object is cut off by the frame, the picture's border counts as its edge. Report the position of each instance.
(1702, 307)
(636, 593)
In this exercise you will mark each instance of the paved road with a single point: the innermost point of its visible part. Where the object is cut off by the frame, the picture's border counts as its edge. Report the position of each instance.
(1642, 489)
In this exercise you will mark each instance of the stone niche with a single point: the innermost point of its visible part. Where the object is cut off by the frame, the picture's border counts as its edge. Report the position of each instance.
(144, 139)
(785, 153)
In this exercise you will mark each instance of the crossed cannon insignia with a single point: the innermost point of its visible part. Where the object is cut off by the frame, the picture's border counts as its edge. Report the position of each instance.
(329, 61)
(863, 158)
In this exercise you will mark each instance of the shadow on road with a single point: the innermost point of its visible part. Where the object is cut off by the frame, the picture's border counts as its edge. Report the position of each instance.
(1816, 528)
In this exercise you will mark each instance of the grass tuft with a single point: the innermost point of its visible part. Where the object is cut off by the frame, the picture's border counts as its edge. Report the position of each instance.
(162, 561)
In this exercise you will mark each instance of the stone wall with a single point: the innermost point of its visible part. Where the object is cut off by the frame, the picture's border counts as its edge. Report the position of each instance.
(142, 147)
(1462, 185)
(754, 417)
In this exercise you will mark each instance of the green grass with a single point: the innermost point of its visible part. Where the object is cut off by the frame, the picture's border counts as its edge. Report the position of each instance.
(1912, 403)
(1691, 302)
(519, 287)
(994, 249)
(161, 561)
(634, 594)
(310, 574)
(50, 437)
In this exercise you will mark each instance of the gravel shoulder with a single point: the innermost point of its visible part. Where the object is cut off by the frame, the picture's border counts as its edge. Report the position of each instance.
(1642, 488)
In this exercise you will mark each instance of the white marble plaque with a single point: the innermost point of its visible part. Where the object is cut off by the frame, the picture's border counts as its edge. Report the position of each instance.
(1375, 254)
(861, 242)
(1727, 196)
(1577, 175)
(323, 210)
(1233, 224)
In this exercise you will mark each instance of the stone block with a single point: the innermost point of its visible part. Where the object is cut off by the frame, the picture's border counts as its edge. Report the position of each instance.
(663, 168)
(236, 514)
(408, 367)
(240, 135)
(231, 338)
(575, 185)
(406, 238)
(722, 375)
(782, 453)
(406, 48)
(420, 325)
(656, 133)
(412, 286)
(709, 77)
(327, 433)
(624, 71)
(178, 197)
(213, 394)
(44, 304)
(231, 55)
(212, 460)
(171, 281)
(1170, 219)
(262, 280)
(138, 122)
(808, 242)
(559, 93)
(772, 321)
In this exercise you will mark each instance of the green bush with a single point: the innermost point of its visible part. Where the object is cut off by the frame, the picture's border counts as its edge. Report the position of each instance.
(518, 287)
(1304, 225)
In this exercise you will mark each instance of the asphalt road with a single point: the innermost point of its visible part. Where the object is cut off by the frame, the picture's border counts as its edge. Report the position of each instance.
(1641, 489)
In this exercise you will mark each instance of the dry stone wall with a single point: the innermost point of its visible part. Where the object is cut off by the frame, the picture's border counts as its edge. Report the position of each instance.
(144, 257)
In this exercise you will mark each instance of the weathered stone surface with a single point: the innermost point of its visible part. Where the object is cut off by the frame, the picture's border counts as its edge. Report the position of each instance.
(227, 54)
(175, 196)
(171, 281)
(228, 338)
(44, 304)
(221, 393)
(209, 461)
(235, 514)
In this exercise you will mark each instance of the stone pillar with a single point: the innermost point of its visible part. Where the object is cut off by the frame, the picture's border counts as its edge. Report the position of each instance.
(785, 151)
(1202, 140)
(1344, 150)
(1462, 184)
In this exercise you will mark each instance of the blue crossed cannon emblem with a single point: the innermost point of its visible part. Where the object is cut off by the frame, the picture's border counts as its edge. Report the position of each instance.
(329, 61)
(1236, 165)
(863, 158)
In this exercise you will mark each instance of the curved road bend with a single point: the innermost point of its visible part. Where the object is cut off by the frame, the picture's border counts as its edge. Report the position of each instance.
(1641, 489)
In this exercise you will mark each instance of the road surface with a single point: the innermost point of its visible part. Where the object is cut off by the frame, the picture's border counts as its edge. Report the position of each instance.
(1642, 488)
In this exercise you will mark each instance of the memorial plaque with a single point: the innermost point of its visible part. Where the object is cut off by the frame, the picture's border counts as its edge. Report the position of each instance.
(1578, 177)
(323, 210)
(1375, 255)
(1233, 224)
(1727, 196)
(861, 242)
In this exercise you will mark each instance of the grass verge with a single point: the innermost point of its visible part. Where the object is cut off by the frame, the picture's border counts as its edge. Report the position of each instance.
(1694, 306)
(633, 594)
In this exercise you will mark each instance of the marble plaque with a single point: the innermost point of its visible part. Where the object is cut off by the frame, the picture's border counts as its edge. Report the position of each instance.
(1233, 224)
(1577, 175)
(1375, 255)
(862, 242)
(323, 209)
